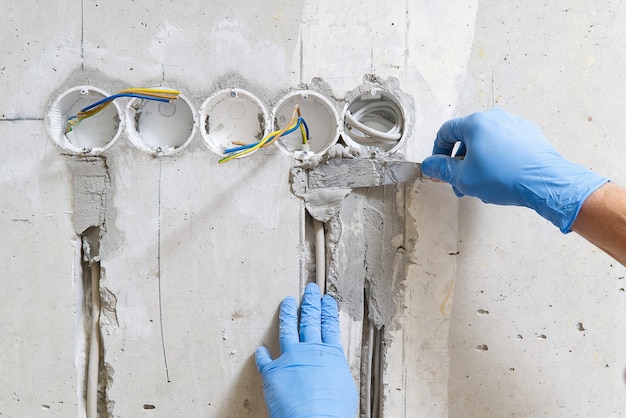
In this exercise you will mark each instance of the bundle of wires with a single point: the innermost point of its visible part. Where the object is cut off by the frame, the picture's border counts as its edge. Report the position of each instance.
(159, 95)
(378, 122)
(295, 122)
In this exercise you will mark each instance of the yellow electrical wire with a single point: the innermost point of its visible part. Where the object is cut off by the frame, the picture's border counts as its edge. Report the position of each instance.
(270, 138)
(302, 129)
(145, 93)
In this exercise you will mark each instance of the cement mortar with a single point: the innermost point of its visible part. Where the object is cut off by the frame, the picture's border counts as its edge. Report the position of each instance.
(91, 180)
(93, 212)
(361, 201)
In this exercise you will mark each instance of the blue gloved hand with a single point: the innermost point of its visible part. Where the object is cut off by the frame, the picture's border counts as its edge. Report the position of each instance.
(508, 161)
(311, 377)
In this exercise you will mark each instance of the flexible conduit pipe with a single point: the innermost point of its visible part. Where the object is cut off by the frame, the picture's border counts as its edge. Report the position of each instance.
(376, 377)
(385, 114)
(94, 342)
(320, 255)
(368, 374)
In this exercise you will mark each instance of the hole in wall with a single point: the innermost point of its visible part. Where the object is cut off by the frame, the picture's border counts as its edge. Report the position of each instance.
(92, 135)
(319, 114)
(148, 407)
(375, 119)
(160, 128)
(232, 115)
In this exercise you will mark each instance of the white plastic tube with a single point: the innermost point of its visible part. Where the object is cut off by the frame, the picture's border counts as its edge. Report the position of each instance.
(94, 343)
(374, 120)
(392, 136)
(368, 374)
(376, 375)
(320, 255)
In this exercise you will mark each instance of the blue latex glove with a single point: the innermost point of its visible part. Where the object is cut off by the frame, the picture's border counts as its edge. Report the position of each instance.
(311, 377)
(508, 161)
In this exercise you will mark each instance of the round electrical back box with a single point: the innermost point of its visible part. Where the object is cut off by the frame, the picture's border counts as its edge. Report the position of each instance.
(160, 128)
(375, 120)
(92, 135)
(232, 115)
(320, 116)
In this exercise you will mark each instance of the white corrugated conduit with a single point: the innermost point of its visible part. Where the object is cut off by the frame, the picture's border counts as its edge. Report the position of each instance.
(374, 120)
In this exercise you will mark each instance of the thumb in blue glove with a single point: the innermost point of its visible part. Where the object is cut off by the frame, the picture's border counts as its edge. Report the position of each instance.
(506, 160)
(311, 377)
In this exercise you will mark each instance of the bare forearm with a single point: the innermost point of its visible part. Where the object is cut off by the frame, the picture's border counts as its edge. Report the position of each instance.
(602, 220)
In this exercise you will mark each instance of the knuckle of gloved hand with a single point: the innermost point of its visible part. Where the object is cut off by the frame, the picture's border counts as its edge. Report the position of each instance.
(474, 123)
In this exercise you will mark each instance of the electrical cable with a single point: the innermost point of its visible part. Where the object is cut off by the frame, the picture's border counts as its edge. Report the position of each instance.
(94, 343)
(94, 348)
(320, 255)
(305, 132)
(247, 146)
(385, 113)
(368, 372)
(376, 374)
(267, 140)
(295, 122)
(160, 95)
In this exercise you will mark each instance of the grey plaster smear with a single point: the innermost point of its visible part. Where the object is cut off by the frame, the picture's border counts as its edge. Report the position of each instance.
(324, 187)
(93, 199)
(92, 212)
(362, 202)
(91, 181)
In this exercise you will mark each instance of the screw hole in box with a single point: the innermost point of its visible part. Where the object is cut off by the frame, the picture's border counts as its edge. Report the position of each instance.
(232, 115)
(160, 128)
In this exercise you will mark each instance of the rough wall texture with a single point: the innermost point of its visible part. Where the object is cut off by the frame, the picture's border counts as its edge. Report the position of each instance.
(537, 318)
(499, 315)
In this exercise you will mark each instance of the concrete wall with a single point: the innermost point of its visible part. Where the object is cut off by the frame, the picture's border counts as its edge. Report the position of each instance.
(495, 313)
(554, 329)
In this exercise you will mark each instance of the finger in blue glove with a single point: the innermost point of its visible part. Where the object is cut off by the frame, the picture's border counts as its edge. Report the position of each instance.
(311, 377)
(508, 161)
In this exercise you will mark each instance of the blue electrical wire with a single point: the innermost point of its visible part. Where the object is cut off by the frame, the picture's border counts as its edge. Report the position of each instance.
(244, 147)
(115, 96)
(306, 127)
